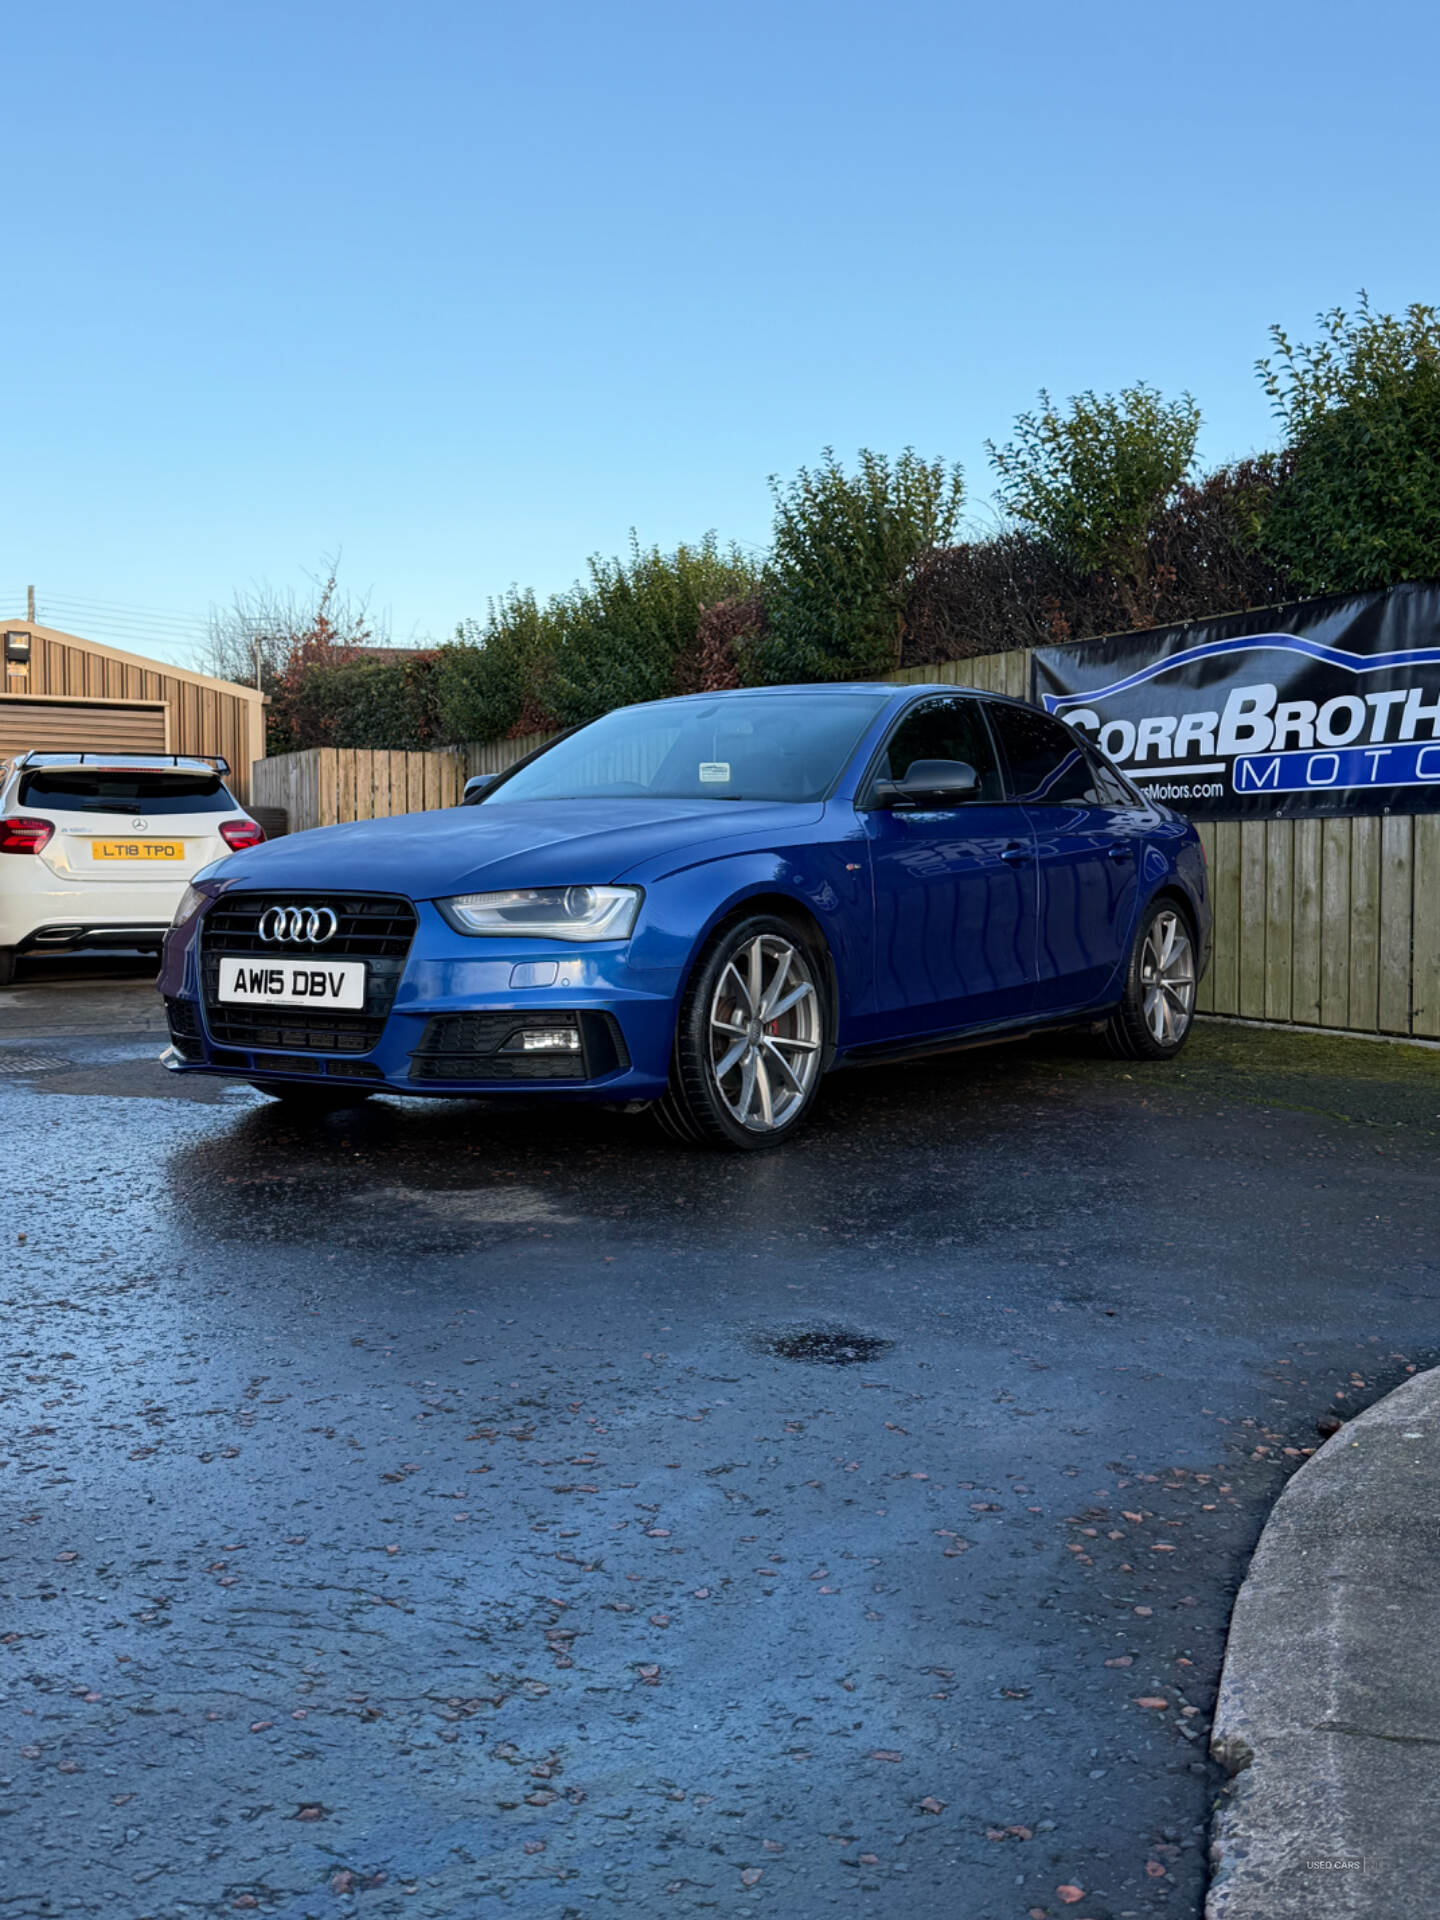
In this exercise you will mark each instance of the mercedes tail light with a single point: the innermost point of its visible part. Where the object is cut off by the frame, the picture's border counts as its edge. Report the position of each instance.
(22, 835)
(241, 833)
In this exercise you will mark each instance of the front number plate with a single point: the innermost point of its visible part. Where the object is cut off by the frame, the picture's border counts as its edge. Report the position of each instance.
(293, 983)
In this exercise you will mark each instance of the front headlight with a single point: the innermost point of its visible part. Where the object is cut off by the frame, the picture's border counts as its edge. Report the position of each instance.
(547, 913)
(191, 901)
(195, 896)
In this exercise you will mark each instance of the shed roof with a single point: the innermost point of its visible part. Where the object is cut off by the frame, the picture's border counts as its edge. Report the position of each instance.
(144, 661)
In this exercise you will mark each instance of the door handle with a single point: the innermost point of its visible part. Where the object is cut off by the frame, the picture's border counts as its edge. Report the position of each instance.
(1118, 851)
(1015, 856)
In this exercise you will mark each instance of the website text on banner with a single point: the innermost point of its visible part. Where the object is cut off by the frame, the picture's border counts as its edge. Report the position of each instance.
(1324, 707)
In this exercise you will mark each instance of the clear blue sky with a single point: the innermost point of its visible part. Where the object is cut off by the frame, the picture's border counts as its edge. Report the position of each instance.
(470, 289)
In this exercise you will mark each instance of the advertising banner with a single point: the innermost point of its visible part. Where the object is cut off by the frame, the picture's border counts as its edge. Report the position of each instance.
(1323, 707)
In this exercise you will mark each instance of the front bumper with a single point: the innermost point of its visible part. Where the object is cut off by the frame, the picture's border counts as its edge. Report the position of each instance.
(457, 1003)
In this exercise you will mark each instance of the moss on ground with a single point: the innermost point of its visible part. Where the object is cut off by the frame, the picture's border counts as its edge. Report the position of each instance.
(1369, 1082)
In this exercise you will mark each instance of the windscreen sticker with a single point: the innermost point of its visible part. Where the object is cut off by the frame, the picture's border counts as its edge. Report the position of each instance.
(715, 772)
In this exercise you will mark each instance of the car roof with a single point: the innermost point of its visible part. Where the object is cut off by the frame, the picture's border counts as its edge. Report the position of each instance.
(892, 690)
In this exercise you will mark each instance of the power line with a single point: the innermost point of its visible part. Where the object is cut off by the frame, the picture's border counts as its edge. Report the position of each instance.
(60, 609)
(141, 639)
(129, 610)
(137, 637)
(124, 616)
(86, 600)
(163, 634)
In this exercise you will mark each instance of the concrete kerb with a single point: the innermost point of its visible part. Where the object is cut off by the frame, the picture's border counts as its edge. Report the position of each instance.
(1329, 1709)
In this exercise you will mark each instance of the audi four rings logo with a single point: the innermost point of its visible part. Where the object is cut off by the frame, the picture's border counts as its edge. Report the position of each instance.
(290, 924)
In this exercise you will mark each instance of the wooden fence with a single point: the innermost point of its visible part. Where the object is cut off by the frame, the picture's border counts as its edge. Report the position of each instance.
(1327, 923)
(1322, 923)
(325, 785)
(990, 672)
(494, 756)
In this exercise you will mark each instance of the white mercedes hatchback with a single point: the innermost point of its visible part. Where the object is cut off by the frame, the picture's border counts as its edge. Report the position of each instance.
(96, 849)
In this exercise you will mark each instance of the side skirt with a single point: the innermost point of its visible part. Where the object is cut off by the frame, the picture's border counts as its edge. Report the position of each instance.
(969, 1039)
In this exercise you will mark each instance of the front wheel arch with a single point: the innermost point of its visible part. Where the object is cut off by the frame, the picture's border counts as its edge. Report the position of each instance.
(784, 906)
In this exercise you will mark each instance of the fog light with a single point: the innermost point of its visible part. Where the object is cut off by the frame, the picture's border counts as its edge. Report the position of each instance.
(543, 1040)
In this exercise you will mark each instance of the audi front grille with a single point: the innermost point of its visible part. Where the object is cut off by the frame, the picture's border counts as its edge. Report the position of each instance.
(376, 928)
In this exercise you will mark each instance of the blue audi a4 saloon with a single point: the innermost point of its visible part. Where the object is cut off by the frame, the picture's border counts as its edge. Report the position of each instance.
(704, 905)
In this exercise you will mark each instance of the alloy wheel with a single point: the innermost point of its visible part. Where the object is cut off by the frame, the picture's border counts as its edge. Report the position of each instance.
(1167, 978)
(765, 1038)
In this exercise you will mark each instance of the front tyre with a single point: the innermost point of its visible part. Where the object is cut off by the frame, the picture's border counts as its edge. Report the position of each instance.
(7, 965)
(1153, 1020)
(299, 1099)
(750, 1040)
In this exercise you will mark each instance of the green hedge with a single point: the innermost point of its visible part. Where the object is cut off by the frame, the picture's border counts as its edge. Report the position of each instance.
(1108, 531)
(357, 703)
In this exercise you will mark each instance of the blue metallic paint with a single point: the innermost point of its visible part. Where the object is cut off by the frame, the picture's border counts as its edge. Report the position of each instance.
(1090, 893)
(938, 878)
(893, 894)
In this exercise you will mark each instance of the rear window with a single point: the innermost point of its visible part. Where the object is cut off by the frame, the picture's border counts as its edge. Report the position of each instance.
(123, 790)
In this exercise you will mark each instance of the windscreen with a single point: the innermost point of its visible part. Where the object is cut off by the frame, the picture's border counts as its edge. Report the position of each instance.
(123, 790)
(761, 746)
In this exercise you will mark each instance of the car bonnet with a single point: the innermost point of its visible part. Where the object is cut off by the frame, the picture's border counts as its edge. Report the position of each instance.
(530, 843)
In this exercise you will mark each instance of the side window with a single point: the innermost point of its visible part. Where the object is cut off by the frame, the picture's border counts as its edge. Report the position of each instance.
(947, 727)
(1048, 761)
(1112, 789)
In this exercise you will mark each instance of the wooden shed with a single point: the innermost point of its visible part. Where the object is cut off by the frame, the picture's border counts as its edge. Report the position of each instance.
(61, 692)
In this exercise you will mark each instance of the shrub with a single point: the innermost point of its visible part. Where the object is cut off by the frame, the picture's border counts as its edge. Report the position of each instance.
(492, 682)
(621, 635)
(1361, 408)
(1201, 555)
(1091, 481)
(721, 654)
(846, 552)
(987, 596)
(1205, 552)
(347, 700)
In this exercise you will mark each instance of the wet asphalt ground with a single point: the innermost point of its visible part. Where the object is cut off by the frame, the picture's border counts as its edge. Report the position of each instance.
(413, 1513)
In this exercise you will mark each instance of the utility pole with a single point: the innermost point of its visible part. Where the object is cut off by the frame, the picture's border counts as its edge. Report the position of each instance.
(30, 605)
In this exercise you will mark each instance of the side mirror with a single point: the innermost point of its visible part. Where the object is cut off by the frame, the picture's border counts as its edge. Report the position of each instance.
(931, 783)
(476, 788)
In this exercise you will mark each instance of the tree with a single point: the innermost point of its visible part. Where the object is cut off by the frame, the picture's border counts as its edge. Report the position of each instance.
(322, 658)
(846, 549)
(1361, 411)
(255, 638)
(1093, 479)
